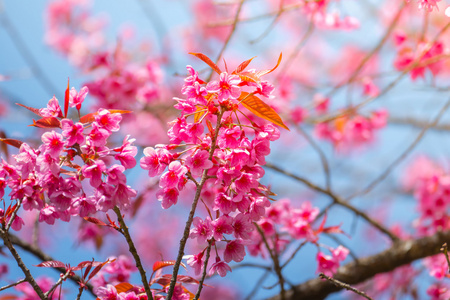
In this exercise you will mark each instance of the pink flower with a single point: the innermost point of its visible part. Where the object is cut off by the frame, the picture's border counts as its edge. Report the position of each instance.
(94, 172)
(196, 93)
(72, 132)
(222, 226)
(173, 176)
(53, 109)
(224, 203)
(107, 120)
(329, 264)
(107, 293)
(234, 251)
(202, 230)
(226, 88)
(126, 153)
(54, 143)
(242, 226)
(245, 183)
(220, 267)
(98, 135)
(167, 196)
(198, 162)
(48, 215)
(155, 161)
(196, 262)
(122, 195)
(76, 99)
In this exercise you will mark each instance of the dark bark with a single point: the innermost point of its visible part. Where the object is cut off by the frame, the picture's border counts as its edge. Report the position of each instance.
(399, 254)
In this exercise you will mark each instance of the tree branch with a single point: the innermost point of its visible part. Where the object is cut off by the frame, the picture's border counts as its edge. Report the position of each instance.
(37, 252)
(400, 254)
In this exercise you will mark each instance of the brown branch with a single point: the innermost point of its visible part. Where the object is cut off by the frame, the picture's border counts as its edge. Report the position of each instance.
(187, 227)
(400, 254)
(444, 249)
(418, 123)
(205, 266)
(276, 262)
(227, 41)
(29, 278)
(344, 285)
(133, 251)
(12, 284)
(405, 153)
(377, 48)
(37, 252)
(337, 200)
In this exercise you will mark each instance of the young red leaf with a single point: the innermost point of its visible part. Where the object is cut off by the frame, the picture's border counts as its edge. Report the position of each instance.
(98, 268)
(32, 109)
(264, 72)
(66, 99)
(89, 118)
(123, 287)
(208, 61)
(261, 109)
(47, 122)
(243, 65)
(161, 264)
(95, 221)
(51, 264)
(187, 279)
(248, 77)
(12, 142)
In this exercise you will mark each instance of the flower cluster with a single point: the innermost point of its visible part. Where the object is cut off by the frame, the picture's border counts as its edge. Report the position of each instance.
(351, 131)
(417, 57)
(431, 186)
(224, 161)
(281, 218)
(71, 173)
(119, 79)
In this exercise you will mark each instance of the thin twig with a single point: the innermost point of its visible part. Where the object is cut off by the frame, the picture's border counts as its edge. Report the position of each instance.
(60, 281)
(272, 24)
(377, 48)
(399, 254)
(289, 62)
(36, 251)
(227, 41)
(294, 253)
(29, 278)
(258, 284)
(405, 153)
(187, 228)
(418, 123)
(133, 251)
(13, 216)
(257, 18)
(337, 200)
(344, 285)
(444, 249)
(323, 158)
(12, 284)
(205, 265)
(276, 263)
